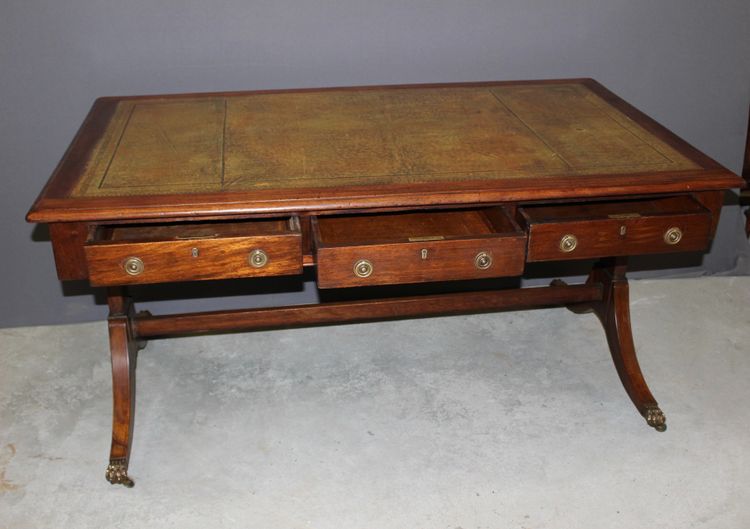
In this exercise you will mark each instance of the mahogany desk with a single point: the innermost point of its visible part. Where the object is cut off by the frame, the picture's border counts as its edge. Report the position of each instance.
(372, 186)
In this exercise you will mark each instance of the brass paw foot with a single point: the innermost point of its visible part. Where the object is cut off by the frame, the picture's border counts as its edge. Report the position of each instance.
(117, 473)
(655, 418)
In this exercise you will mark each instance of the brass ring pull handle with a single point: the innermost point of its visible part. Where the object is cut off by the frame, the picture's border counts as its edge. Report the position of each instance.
(673, 235)
(483, 260)
(133, 266)
(258, 258)
(568, 243)
(363, 268)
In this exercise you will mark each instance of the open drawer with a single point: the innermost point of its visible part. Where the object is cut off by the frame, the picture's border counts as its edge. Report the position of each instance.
(602, 229)
(416, 247)
(156, 253)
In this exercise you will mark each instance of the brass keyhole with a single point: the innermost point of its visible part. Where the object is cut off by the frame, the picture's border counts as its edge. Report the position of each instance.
(363, 268)
(133, 266)
(423, 253)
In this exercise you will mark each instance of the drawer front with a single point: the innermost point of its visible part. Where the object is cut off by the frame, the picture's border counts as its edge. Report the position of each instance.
(583, 239)
(417, 262)
(123, 263)
(417, 247)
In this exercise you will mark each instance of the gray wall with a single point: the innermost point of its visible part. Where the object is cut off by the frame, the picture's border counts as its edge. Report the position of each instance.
(685, 63)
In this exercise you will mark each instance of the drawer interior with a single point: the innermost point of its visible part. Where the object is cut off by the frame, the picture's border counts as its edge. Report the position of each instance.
(621, 209)
(422, 226)
(135, 233)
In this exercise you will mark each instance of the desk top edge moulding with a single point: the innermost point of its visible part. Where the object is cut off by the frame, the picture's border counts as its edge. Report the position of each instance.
(191, 155)
(367, 186)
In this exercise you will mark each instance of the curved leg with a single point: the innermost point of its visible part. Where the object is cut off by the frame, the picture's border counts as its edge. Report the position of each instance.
(124, 348)
(614, 313)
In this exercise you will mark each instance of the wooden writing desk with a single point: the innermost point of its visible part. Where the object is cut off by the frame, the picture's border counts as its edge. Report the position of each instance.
(372, 186)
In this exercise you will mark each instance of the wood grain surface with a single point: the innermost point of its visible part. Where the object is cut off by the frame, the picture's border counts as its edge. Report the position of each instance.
(616, 228)
(149, 326)
(417, 247)
(191, 253)
(68, 240)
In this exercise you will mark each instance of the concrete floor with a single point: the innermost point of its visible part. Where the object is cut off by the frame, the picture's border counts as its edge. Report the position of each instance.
(510, 420)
